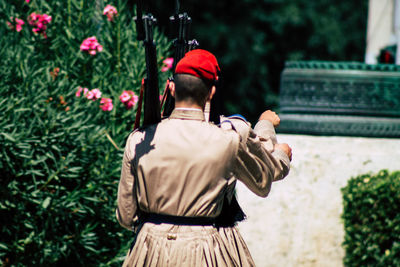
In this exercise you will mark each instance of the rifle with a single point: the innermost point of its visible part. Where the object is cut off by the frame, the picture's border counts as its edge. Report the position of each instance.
(182, 45)
(149, 87)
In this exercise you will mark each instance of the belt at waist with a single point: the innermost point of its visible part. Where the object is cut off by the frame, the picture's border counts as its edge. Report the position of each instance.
(178, 220)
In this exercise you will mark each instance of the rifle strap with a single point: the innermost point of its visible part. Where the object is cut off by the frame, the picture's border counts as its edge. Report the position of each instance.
(139, 107)
(164, 96)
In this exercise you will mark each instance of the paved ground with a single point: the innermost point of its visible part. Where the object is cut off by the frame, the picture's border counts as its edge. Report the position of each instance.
(299, 224)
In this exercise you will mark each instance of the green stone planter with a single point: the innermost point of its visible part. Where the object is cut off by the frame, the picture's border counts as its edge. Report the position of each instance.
(340, 98)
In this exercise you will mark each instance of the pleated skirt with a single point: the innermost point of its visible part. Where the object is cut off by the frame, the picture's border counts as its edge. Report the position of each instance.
(168, 245)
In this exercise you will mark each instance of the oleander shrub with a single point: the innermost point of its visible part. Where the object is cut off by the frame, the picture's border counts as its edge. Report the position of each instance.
(61, 145)
(372, 220)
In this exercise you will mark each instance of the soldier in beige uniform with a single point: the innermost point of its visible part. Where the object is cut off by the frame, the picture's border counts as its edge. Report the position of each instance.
(176, 174)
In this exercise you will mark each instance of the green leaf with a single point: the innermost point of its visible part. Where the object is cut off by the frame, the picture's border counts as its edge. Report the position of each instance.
(8, 137)
(3, 246)
(46, 202)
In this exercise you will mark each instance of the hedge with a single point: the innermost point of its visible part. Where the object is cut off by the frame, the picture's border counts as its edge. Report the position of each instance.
(372, 220)
(61, 145)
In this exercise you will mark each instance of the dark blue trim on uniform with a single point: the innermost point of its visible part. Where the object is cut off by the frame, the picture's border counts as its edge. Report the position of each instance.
(228, 121)
(237, 116)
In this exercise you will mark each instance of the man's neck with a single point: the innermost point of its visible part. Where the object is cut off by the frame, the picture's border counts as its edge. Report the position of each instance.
(183, 104)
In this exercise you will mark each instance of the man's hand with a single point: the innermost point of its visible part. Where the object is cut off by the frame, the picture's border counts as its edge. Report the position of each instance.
(285, 148)
(271, 116)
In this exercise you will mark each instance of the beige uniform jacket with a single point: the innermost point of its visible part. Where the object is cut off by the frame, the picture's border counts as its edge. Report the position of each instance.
(184, 166)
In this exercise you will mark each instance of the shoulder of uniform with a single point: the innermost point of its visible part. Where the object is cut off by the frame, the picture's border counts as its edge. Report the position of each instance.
(234, 121)
(139, 132)
(237, 117)
(131, 135)
(237, 123)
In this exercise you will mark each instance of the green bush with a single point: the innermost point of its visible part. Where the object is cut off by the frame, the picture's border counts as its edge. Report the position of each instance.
(60, 154)
(372, 220)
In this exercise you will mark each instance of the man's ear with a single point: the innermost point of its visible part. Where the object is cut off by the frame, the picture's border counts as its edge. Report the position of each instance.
(171, 86)
(212, 92)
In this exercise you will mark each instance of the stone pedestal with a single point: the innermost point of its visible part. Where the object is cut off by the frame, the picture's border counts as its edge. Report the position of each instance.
(299, 223)
(340, 98)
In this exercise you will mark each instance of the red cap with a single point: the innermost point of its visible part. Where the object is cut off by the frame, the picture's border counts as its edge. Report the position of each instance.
(199, 63)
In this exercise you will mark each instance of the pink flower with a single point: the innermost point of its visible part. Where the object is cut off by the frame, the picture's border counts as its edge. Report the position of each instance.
(111, 12)
(39, 22)
(125, 96)
(96, 93)
(91, 46)
(106, 104)
(27, 1)
(46, 19)
(90, 95)
(18, 24)
(79, 91)
(129, 98)
(135, 99)
(168, 64)
(129, 105)
(132, 102)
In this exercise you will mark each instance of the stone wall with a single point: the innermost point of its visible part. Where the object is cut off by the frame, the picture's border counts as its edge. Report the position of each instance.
(299, 223)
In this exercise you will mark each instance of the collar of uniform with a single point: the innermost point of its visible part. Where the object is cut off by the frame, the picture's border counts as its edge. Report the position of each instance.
(187, 114)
